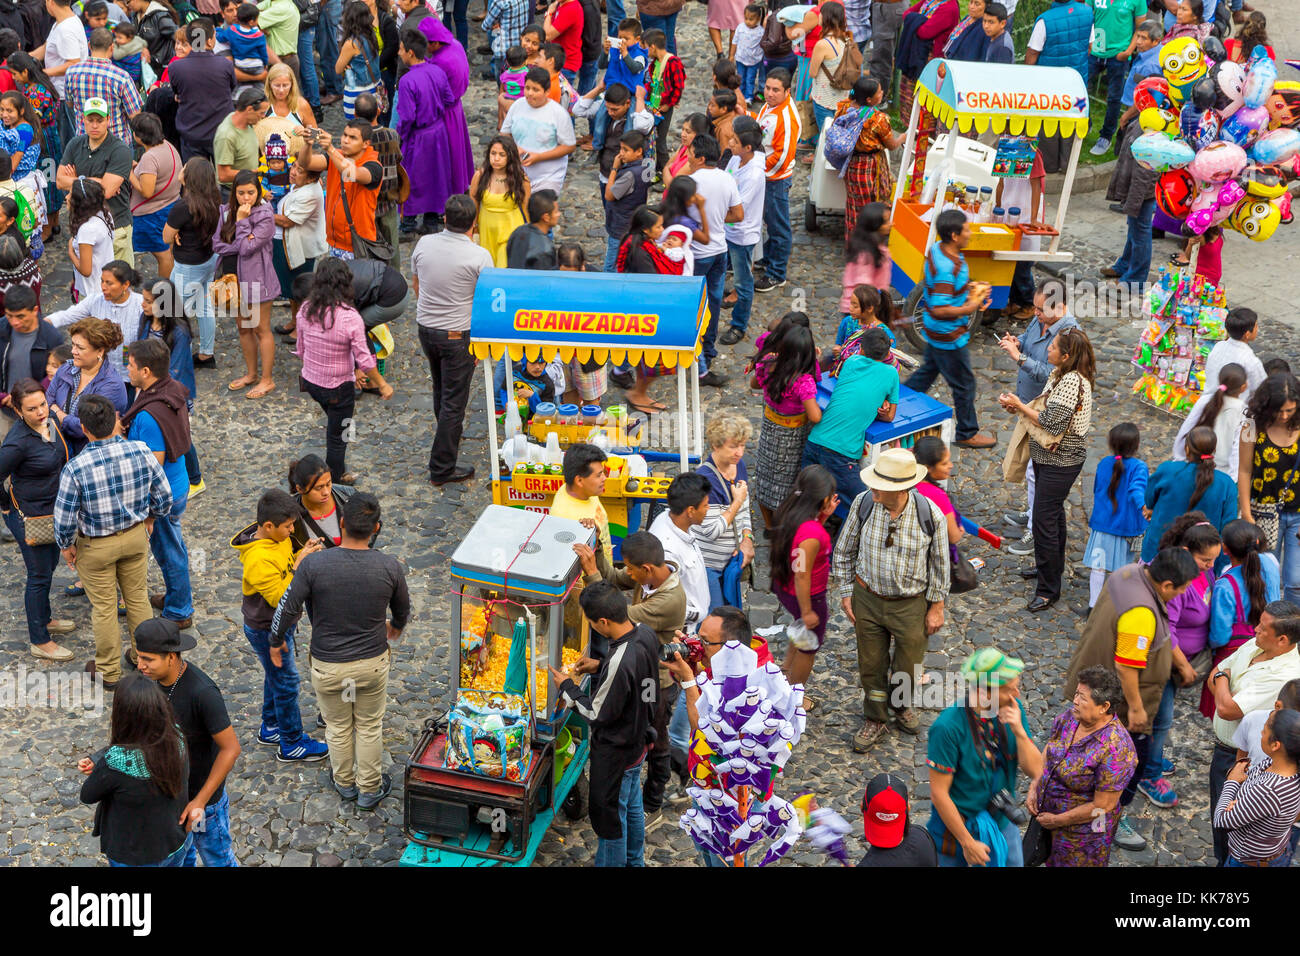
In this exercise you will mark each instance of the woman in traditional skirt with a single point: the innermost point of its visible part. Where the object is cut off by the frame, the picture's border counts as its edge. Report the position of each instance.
(867, 178)
(785, 368)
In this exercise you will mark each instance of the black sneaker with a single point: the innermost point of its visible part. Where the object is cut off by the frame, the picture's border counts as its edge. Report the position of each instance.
(767, 284)
(731, 336)
(713, 379)
(209, 362)
(368, 801)
(622, 379)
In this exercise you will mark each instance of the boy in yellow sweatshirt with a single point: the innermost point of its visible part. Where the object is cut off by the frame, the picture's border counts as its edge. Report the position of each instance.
(269, 562)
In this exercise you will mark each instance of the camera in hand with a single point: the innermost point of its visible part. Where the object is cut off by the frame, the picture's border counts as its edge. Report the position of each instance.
(691, 649)
(1002, 802)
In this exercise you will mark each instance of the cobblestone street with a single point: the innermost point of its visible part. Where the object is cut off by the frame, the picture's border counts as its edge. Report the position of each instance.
(287, 815)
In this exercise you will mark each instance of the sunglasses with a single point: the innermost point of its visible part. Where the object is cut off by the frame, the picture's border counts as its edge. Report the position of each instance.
(889, 536)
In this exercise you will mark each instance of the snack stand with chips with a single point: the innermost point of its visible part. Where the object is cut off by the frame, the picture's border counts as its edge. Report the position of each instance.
(586, 316)
(482, 785)
(976, 98)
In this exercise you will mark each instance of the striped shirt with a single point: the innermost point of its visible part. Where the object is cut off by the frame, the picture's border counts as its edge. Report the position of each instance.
(330, 356)
(1258, 813)
(105, 79)
(111, 486)
(717, 539)
(911, 564)
(781, 130)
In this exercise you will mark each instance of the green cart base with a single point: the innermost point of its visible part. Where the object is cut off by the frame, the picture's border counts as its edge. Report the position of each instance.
(480, 836)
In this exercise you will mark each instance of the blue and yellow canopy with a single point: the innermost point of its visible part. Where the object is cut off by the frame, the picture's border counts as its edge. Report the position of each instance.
(1010, 98)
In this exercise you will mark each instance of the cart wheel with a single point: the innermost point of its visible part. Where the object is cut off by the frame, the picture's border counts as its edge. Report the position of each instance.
(912, 318)
(575, 804)
(809, 216)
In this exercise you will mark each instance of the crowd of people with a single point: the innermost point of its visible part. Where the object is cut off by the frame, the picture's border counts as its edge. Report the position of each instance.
(197, 135)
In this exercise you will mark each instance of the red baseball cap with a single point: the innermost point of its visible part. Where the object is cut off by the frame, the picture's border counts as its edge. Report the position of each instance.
(884, 810)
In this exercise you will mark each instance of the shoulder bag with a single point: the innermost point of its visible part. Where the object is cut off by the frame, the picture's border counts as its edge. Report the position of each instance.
(308, 13)
(1267, 515)
(381, 91)
(39, 529)
(363, 248)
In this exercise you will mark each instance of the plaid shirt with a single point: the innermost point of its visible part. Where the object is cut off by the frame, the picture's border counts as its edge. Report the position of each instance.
(899, 569)
(111, 486)
(105, 79)
(388, 144)
(513, 16)
(674, 82)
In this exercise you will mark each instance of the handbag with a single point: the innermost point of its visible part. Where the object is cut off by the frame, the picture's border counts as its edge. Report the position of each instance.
(363, 248)
(381, 91)
(962, 576)
(39, 529)
(308, 13)
(1015, 463)
(842, 138)
(1036, 844)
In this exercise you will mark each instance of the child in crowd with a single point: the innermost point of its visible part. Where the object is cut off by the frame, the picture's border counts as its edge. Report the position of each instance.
(665, 79)
(269, 561)
(504, 24)
(275, 169)
(544, 132)
(1209, 261)
(785, 368)
(560, 90)
(1221, 409)
(512, 80)
(129, 51)
(624, 60)
(1253, 579)
(247, 45)
(868, 263)
(94, 15)
(1000, 49)
(676, 244)
(801, 562)
(1118, 493)
(1176, 487)
(530, 246)
(870, 308)
(91, 245)
(932, 452)
(745, 50)
(725, 77)
(1242, 326)
(1277, 366)
(531, 384)
(1253, 33)
(531, 39)
(58, 355)
(626, 188)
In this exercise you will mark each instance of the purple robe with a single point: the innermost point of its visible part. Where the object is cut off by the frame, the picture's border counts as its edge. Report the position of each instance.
(436, 148)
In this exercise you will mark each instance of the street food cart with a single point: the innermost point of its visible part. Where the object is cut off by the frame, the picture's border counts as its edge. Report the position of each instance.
(543, 316)
(513, 615)
(977, 98)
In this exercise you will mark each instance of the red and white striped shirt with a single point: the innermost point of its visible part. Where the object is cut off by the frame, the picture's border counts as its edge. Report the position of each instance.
(781, 129)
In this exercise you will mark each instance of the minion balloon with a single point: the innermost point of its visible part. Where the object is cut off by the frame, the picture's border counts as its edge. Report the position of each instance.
(1183, 63)
(1255, 219)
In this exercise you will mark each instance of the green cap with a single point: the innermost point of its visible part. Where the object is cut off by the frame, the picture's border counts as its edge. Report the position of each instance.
(992, 666)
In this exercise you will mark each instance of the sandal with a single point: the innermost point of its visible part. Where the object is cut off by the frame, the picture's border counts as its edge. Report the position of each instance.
(241, 383)
(285, 329)
(1181, 263)
(647, 409)
(260, 391)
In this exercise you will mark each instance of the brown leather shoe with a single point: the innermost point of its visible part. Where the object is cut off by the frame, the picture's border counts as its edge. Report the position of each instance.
(978, 440)
(866, 738)
(909, 721)
(157, 601)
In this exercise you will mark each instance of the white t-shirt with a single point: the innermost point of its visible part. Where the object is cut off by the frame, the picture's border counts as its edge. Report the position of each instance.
(751, 183)
(538, 130)
(95, 233)
(1038, 38)
(1246, 736)
(67, 41)
(1232, 350)
(720, 194)
(680, 548)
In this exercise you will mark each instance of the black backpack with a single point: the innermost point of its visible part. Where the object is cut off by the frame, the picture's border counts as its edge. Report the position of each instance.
(961, 576)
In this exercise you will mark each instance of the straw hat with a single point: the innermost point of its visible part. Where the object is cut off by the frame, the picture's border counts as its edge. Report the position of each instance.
(894, 470)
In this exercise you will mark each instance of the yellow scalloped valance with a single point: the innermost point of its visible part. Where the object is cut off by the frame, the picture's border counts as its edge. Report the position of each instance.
(669, 358)
(1016, 124)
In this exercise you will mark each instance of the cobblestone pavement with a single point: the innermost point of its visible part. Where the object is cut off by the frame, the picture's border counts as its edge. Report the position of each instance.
(288, 815)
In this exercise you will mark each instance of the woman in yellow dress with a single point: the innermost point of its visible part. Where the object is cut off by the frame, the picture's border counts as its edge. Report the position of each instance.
(500, 190)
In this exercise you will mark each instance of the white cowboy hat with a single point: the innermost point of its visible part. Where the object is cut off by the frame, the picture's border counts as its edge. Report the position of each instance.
(894, 470)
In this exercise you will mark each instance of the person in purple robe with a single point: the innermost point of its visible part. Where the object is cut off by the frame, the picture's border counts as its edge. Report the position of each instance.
(436, 148)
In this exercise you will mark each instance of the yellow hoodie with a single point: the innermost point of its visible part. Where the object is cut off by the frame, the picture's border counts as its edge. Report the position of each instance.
(268, 570)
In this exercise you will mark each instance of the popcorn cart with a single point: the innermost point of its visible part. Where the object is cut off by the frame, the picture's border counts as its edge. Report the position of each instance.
(482, 786)
(586, 316)
(1016, 100)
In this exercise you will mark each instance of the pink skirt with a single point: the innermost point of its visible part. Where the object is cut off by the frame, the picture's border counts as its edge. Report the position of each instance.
(726, 14)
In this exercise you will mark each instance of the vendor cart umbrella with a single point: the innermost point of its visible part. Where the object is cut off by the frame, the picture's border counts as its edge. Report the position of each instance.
(516, 679)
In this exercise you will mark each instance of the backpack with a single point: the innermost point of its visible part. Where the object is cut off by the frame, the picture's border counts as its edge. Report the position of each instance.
(842, 138)
(849, 68)
(961, 576)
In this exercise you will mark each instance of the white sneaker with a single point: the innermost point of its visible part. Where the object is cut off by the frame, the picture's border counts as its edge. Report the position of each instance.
(1023, 546)
(1101, 147)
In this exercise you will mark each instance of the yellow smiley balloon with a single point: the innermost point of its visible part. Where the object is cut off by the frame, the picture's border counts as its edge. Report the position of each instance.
(1183, 63)
(1255, 219)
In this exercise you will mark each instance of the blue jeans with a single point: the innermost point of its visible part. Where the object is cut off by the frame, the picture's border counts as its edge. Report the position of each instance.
(457, 12)
(1135, 262)
(327, 42)
(1015, 849)
(176, 859)
(748, 77)
(629, 849)
(168, 547)
(742, 269)
(954, 366)
(611, 252)
(279, 686)
(1283, 860)
(715, 588)
(41, 561)
(571, 76)
(1164, 719)
(307, 68)
(714, 271)
(599, 124)
(211, 839)
(192, 284)
(848, 480)
(822, 114)
(679, 725)
(586, 77)
(1116, 74)
(1288, 554)
(776, 216)
(614, 13)
(192, 465)
(668, 24)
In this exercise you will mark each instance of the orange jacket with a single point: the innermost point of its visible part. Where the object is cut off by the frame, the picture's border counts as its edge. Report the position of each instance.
(362, 199)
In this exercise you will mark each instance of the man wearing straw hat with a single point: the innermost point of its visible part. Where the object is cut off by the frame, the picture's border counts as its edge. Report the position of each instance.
(891, 565)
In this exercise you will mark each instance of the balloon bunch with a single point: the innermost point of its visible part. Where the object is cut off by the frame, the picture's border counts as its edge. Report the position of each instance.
(751, 719)
(1220, 133)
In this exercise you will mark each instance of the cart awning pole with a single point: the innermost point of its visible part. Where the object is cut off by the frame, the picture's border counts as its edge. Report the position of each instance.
(941, 186)
(698, 415)
(1065, 192)
(909, 148)
(491, 403)
(683, 416)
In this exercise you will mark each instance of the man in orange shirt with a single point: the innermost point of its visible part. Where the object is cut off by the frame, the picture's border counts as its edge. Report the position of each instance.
(353, 170)
(779, 121)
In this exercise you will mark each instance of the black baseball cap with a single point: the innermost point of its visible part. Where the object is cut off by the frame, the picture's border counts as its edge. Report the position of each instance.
(161, 636)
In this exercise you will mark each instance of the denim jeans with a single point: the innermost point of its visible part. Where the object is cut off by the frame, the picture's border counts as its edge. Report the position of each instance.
(1288, 553)
(776, 216)
(599, 124)
(168, 547)
(1283, 860)
(307, 68)
(586, 77)
(1135, 262)
(715, 588)
(192, 284)
(714, 271)
(748, 77)
(954, 366)
(41, 561)
(457, 12)
(846, 470)
(1164, 719)
(668, 24)
(742, 270)
(176, 859)
(211, 840)
(614, 13)
(1015, 849)
(1116, 73)
(192, 465)
(679, 726)
(822, 114)
(611, 253)
(327, 42)
(571, 76)
(338, 405)
(629, 849)
(279, 686)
